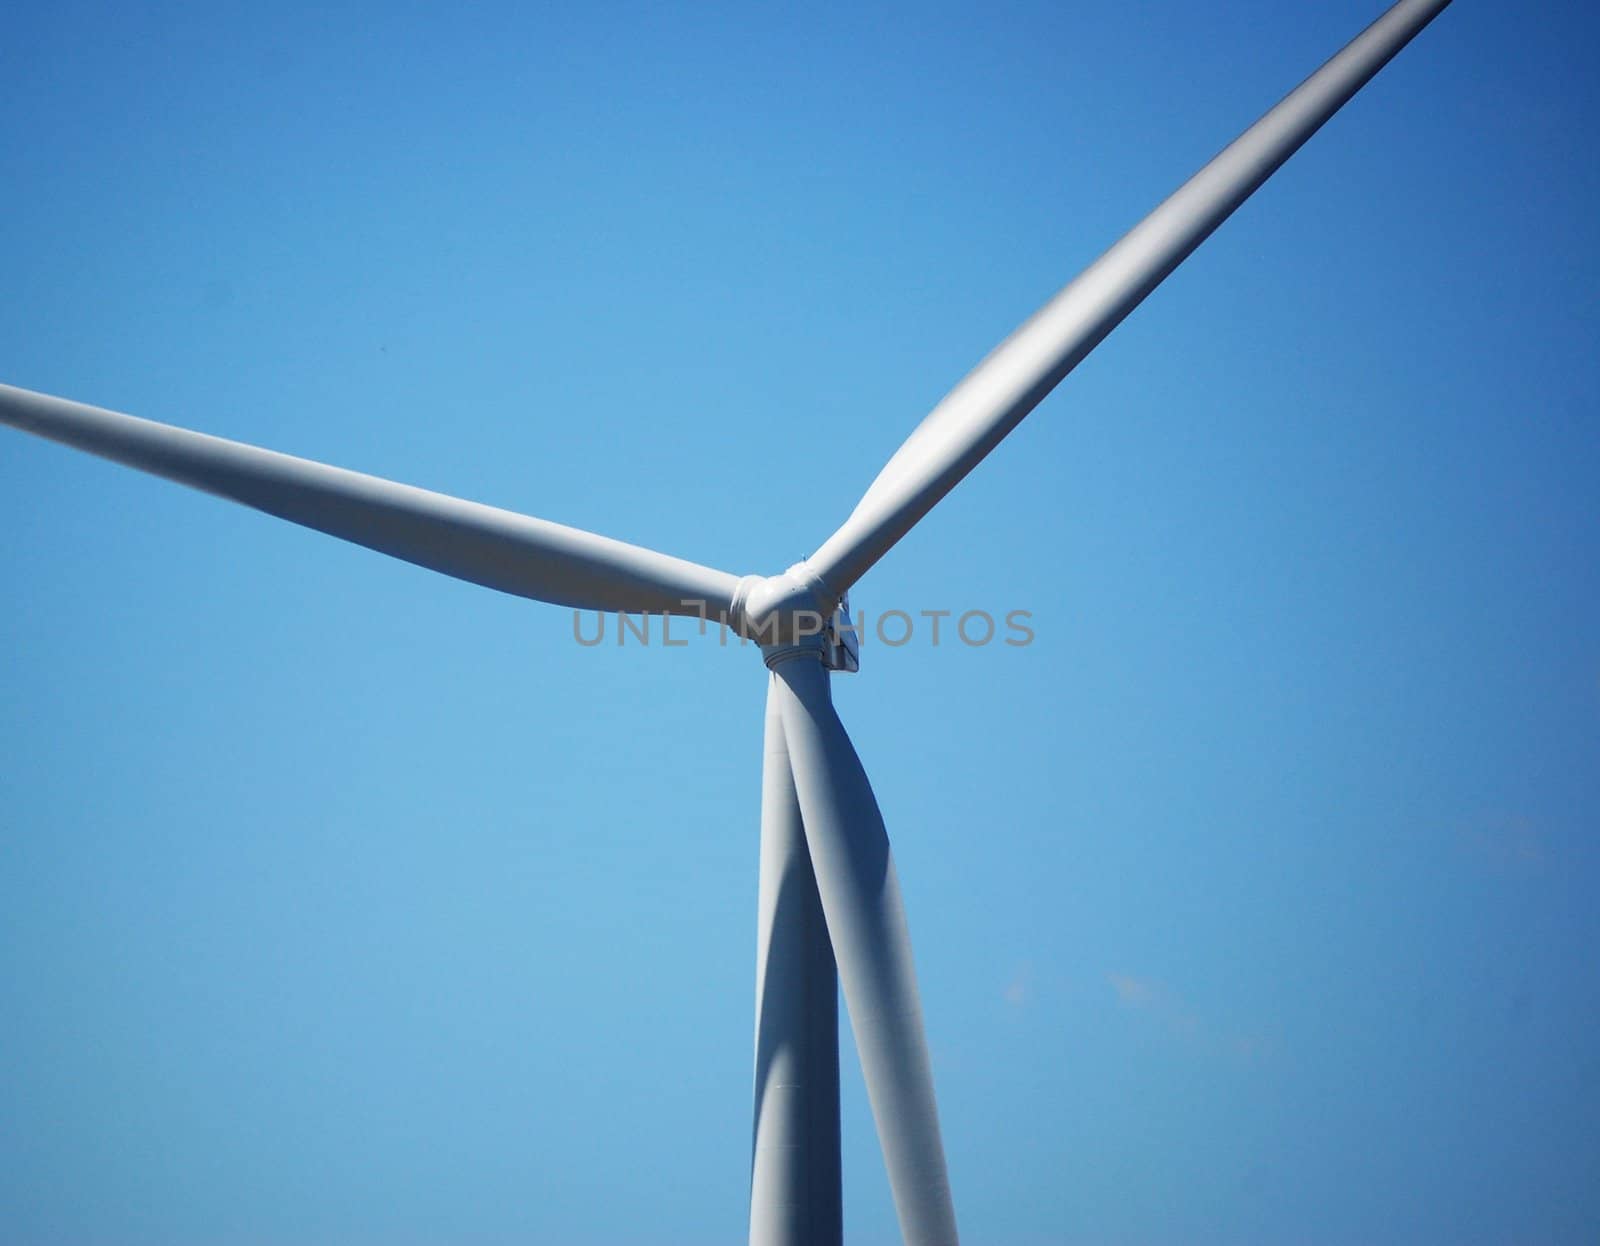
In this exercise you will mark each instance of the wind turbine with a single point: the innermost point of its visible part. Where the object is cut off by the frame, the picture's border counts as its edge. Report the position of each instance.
(830, 913)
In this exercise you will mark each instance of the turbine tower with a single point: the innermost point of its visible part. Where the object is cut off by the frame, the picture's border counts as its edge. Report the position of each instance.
(829, 910)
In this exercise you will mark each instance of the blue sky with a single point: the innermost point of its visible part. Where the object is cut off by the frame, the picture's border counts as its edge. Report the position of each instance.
(1254, 901)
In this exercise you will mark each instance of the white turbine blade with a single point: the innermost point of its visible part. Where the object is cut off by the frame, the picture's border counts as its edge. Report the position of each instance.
(795, 1191)
(496, 548)
(995, 396)
(872, 946)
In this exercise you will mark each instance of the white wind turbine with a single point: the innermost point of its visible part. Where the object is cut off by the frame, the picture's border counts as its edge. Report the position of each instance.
(829, 910)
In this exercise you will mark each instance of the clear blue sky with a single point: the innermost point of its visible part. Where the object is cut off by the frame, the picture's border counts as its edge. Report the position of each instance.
(1255, 901)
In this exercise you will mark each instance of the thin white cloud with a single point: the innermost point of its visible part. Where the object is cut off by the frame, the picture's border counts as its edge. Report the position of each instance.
(1135, 992)
(1019, 990)
(1508, 844)
(1165, 1008)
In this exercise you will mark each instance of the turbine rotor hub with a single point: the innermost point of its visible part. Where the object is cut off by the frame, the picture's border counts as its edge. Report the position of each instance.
(793, 614)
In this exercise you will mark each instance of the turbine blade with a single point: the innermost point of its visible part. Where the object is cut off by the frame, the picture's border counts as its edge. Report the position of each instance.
(872, 946)
(496, 548)
(795, 1193)
(995, 396)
